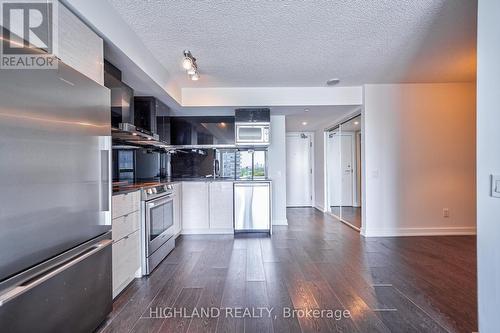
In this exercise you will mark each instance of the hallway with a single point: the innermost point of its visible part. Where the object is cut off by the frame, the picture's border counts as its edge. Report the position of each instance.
(406, 284)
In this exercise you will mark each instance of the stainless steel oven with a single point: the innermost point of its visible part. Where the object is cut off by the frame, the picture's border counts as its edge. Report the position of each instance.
(158, 225)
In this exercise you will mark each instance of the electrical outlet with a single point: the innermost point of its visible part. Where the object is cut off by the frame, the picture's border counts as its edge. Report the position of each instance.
(446, 212)
(495, 186)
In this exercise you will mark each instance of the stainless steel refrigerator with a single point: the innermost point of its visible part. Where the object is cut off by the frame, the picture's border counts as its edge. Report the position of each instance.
(55, 198)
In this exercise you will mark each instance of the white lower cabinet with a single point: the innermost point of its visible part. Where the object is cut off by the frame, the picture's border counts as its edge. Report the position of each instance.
(194, 206)
(221, 205)
(177, 208)
(126, 260)
(126, 231)
(207, 207)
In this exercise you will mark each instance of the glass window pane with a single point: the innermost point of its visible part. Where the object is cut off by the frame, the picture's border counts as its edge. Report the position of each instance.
(244, 164)
(259, 164)
(251, 164)
(126, 159)
(227, 158)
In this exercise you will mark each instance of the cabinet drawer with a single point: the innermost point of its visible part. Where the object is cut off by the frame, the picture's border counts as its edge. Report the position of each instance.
(125, 225)
(126, 260)
(126, 203)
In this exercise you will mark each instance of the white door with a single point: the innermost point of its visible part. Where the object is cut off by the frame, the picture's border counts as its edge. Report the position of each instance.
(340, 169)
(298, 169)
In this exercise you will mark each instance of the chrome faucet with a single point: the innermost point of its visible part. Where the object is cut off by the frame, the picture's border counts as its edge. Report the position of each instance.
(216, 168)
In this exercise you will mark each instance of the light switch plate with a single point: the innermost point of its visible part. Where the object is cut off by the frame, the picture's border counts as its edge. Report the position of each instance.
(495, 186)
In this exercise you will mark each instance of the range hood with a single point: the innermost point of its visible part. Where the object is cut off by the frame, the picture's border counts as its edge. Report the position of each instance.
(139, 134)
(142, 125)
(149, 126)
(128, 134)
(122, 111)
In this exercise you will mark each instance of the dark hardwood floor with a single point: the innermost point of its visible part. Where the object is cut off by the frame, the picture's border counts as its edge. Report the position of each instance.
(406, 284)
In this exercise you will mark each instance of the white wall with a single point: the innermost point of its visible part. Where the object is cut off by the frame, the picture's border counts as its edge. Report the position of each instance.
(488, 162)
(277, 168)
(420, 158)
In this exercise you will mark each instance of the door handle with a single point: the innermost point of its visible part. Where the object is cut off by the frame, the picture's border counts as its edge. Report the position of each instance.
(161, 201)
(21, 289)
(105, 180)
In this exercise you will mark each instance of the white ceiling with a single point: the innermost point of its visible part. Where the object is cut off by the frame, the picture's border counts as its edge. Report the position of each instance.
(304, 43)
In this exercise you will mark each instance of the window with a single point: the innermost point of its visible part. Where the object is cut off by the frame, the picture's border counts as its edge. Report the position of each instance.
(251, 164)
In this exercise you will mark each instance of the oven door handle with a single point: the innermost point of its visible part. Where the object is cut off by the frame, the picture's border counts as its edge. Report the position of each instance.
(159, 202)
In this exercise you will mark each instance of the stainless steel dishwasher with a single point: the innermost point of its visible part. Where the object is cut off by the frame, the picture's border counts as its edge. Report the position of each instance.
(252, 206)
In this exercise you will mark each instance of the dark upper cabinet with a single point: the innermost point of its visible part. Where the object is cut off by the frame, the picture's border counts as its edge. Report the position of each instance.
(122, 96)
(163, 128)
(259, 115)
(145, 114)
(202, 130)
(182, 130)
(152, 116)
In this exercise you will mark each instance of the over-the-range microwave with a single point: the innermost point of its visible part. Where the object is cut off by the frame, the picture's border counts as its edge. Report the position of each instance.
(252, 134)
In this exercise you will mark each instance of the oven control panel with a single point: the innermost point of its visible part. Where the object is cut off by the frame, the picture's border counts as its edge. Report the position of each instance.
(156, 191)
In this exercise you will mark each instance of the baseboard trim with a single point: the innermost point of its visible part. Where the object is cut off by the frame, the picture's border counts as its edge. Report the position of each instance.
(280, 222)
(207, 232)
(438, 231)
(320, 208)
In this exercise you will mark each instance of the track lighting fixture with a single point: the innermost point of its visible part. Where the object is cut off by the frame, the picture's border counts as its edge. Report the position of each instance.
(189, 64)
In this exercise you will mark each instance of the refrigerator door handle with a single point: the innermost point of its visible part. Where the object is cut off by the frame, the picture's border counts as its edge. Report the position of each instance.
(30, 284)
(105, 185)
